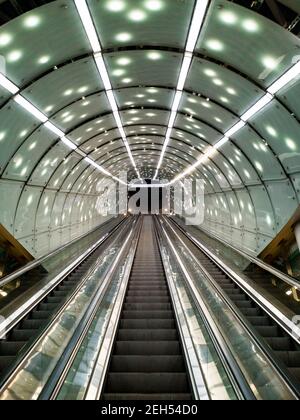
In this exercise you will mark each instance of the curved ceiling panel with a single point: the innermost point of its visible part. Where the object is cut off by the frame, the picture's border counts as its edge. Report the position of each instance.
(247, 41)
(117, 112)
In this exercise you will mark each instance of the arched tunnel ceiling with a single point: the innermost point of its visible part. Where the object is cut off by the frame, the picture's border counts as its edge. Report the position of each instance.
(238, 55)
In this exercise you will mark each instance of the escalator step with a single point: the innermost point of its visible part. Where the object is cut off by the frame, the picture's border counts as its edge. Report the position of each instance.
(5, 362)
(160, 293)
(243, 304)
(290, 358)
(250, 311)
(147, 315)
(147, 335)
(11, 348)
(21, 335)
(147, 348)
(40, 314)
(268, 331)
(147, 299)
(295, 372)
(60, 293)
(147, 323)
(259, 321)
(32, 324)
(147, 397)
(148, 364)
(54, 299)
(147, 306)
(237, 297)
(147, 382)
(280, 343)
(48, 306)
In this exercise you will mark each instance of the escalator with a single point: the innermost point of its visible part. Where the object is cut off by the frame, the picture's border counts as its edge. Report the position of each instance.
(147, 361)
(283, 345)
(19, 339)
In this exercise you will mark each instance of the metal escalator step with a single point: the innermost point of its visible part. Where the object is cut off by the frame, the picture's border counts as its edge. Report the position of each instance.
(262, 321)
(280, 343)
(53, 299)
(48, 306)
(233, 291)
(5, 362)
(147, 323)
(147, 348)
(60, 293)
(154, 287)
(65, 287)
(243, 304)
(147, 306)
(21, 335)
(160, 293)
(147, 382)
(147, 335)
(147, 299)
(238, 297)
(146, 397)
(11, 348)
(147, 315)
(147, 364)
(250, 311)
(295, 372)
(150, 283)
(40, 314)
(268, 331)
(32, 324)
(290, 358)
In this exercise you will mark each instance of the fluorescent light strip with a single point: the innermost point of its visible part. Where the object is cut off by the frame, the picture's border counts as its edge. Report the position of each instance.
(221, 143)
(184, 70)
(176, 101)
(196, 25)
(68, 143)
(194, 32)
(4, 82)
(54, 129)
(8, 85)
(103, 71)
(265, 100)
(87, 22)
(112, 101)
(285, 79)
(30, 108)
(235, 129)
(91, 32)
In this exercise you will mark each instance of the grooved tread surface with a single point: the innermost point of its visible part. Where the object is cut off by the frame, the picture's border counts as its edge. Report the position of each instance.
(147, 361)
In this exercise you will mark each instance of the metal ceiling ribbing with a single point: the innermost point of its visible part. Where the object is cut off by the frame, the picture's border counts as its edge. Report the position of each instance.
(237, 57)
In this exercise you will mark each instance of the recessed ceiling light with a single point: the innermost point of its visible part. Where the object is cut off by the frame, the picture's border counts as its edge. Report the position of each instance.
(123, 37)
(215, 44)
(250, 25)
(154, 5)
(118, 72)
(32, 21)
(44, 59)
(14, 56)
(228, 17)
(154, 56)
(231, 91)
(270, 62)
(5, 39)
(137, 15)
(124, 61)
(115, 5)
